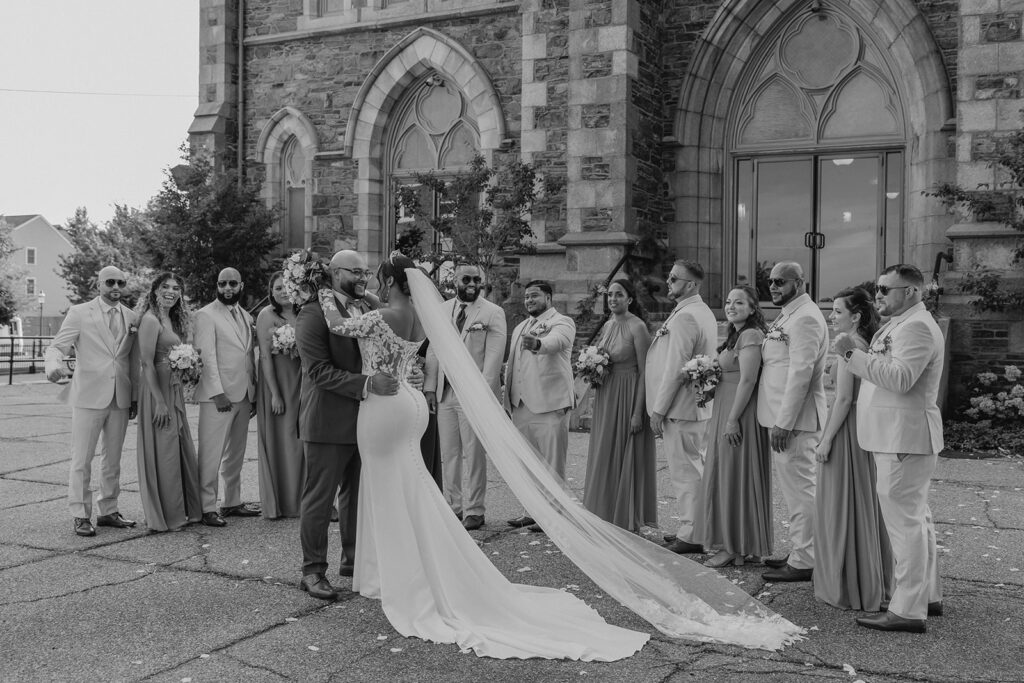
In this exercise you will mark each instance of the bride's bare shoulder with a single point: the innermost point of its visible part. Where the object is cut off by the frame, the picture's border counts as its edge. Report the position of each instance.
(401, 321)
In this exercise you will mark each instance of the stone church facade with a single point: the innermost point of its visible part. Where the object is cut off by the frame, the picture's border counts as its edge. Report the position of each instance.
(736, 133)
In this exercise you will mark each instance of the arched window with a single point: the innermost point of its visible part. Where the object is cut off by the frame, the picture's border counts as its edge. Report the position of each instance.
(286, 147)
(817, 156)
(294, 192)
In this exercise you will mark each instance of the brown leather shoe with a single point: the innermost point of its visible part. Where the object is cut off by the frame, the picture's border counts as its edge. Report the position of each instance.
(887, 621)
(318, 586)
(776, 563)
(681, 547)
(787, 573)
(213, 519)
(934, 608)
(116, 520)
(473, 522)
(83, 527)
(520, 522)
(242, 510)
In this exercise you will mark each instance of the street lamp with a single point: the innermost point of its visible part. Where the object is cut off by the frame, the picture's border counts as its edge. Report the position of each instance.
(41, 299)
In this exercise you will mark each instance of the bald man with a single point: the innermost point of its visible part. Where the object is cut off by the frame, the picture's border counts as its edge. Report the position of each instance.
(103, 394)
(224, 335)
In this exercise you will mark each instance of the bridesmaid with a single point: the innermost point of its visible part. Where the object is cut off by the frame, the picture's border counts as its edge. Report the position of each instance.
(853, 559)
(620, 485)
(737, 471)
(167, 461)
(281, 465)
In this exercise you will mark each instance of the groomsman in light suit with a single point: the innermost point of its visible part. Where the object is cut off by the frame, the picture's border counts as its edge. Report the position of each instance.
(225, 392)
(483, 329)
(791, 404)
(103, 394)
(689, 331)
(898, 420)
(538, 391)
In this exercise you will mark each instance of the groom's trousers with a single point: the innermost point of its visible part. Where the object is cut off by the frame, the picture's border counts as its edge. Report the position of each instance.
(328, 466)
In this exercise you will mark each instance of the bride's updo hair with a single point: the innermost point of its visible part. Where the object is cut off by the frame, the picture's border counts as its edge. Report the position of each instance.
(394, 266)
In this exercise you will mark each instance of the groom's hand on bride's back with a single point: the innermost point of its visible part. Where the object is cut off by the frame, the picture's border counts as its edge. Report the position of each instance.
(383, 385)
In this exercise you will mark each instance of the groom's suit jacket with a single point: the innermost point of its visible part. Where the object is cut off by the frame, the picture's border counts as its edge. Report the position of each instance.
(229, 365)
(105, 368)
(332, 383)
(791, 394)
(897, 408)
(486, 346)
(541, 380)
(691, 331)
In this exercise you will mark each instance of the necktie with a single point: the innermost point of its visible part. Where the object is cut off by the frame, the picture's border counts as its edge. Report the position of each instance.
(115, 323)
(460, 320)
(238, 320)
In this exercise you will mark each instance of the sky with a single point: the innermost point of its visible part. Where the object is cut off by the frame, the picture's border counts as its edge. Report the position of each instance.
(60, 151)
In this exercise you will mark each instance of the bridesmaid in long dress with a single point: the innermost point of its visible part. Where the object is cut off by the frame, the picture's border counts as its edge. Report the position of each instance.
(737, 471)
(281, 465)
(168, 466)
(853, 559)
(620, 486)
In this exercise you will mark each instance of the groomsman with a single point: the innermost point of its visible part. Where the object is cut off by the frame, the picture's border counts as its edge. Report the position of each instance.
(538, 390)
(898, 420)
(225, 392)
(103, 395)
(791, 404)
(689, 331)
(483, 329)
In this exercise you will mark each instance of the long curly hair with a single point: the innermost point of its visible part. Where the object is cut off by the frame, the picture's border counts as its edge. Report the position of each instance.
(180, 316)
(858, 300)
(754, 322)
(274, 305)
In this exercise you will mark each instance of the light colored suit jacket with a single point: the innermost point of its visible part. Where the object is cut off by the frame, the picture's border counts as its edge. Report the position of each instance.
(542, 380)
(229, 366)
(897, 408)
(105, 368)
(691, 331)
(792, 389)
(484, 335)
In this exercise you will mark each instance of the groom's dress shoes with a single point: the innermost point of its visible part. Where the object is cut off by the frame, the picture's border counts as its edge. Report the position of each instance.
(681, 547)
(346, 570)
(776, 563)
(83, 527)
(213, 519)
(887, 621)
(473, 522)
(787, 573)
(239, 511)
(318, 586)
(535, 528)
(934, 608)
(520, 522)
(115, 520)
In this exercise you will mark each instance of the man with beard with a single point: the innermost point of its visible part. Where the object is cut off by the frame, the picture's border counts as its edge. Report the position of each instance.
(482, 327)
(223, 334)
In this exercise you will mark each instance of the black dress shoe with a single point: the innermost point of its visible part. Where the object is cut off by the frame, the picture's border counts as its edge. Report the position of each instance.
(318, 586)
(535, 528)
(887, 621)
(459, 516)
(473, 522)
(346, 570)
(787, 573)
(776, 563)
(669, 538)
(934, 608)
(115, 519)
(681, 547)
(213, 519)
(239, 511)
(520, 522)
(83, 527)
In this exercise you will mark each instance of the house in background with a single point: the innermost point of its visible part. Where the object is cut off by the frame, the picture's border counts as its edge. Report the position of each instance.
(39, 246)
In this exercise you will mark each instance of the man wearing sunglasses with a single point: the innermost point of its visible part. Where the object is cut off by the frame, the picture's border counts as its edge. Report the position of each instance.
(225, 393)
(103, 395)
(483, 329)
(898, 420)
(791, 405)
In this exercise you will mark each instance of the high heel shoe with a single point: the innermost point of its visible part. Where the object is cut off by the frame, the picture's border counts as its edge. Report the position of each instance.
(723, 558)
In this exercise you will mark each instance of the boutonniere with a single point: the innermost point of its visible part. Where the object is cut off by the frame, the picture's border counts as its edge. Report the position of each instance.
(476, 327)
(662, 331)
(777, 334)
(882, 346)
(539, 329)
(132, 329)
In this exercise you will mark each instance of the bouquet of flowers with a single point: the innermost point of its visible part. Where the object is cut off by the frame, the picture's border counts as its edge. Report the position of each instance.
(592, 365)
(704, 373)
(283, 341)
(304, 275)
(186, 366)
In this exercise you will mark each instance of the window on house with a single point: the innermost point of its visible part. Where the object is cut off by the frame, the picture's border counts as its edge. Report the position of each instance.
(30, 286)
(30, 255)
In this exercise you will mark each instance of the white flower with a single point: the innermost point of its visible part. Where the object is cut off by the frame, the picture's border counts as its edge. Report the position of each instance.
(1012, 373)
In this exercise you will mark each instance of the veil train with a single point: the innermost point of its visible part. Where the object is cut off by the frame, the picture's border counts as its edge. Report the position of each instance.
(680, 598)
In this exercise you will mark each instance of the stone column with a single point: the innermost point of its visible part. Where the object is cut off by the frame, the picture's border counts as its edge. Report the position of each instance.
(214, 125)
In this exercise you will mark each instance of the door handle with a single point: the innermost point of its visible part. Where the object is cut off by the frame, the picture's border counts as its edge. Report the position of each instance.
(809, 240)
(820, 241)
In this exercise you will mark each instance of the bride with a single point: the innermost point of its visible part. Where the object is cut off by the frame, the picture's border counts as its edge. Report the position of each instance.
(432, 579)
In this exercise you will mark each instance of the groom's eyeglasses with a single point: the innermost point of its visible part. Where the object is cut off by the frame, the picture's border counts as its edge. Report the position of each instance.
(476, 279)
(884, 289)
(111, 282)
(358, 272)
(227, 283)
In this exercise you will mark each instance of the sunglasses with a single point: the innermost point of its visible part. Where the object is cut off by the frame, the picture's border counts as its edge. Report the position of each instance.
(476, 279)
(228, 283)
(359, 273)
(111, 282)
(779, 281)
(884, 290)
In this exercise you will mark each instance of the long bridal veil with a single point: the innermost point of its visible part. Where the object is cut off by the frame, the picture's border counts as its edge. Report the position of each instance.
(679, 597)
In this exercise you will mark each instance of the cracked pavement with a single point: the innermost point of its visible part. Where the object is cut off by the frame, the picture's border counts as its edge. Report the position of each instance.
(222, 604)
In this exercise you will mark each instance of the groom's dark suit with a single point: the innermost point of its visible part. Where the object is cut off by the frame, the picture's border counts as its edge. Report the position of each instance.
(332, 387)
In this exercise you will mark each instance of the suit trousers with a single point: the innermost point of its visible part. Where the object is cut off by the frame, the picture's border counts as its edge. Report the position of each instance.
(903, 496)
(684, 450)
(222, 448)
(458, 444)
(86, 426)
(547, 432)
(328, 466)
(797, 472)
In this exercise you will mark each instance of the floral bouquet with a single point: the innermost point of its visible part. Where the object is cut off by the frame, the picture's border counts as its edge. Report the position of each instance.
(704, 373)
(592, 365)
(187, 366)
(304, 275)
(283, 341)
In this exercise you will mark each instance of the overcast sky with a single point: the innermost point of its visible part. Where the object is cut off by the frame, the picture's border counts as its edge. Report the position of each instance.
(60, 151)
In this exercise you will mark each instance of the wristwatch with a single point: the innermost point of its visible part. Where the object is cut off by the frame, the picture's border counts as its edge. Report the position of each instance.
(848, 354)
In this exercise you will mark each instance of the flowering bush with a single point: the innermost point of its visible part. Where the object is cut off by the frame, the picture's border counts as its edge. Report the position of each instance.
(704, 373)
(997, 397)
(592, 365)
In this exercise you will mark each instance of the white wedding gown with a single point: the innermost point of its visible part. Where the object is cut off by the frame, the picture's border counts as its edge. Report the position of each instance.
(414, 556)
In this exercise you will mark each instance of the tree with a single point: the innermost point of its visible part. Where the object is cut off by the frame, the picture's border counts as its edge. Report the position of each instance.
(202, 221)
(12, 287)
